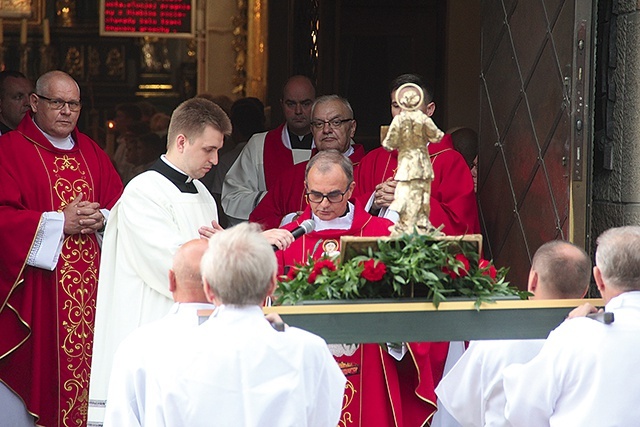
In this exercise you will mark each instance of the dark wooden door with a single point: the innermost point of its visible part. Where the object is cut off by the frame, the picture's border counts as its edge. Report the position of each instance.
(535, 127)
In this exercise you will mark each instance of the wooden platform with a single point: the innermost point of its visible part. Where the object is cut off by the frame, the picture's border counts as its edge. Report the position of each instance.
(366, 322)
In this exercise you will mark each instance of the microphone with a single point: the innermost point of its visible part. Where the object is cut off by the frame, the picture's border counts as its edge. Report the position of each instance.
(305, 227)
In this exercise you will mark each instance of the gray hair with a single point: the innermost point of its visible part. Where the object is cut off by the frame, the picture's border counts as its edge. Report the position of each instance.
(329, 98)
(564, 267)
(325, 160)
(239, 265)
(618, 257)
(192, 117)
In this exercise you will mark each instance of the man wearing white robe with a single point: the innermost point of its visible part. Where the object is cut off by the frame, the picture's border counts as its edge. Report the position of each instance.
(268, 154)
(127, 395)
(159, 210)
(235, 369)
(586, 372)
(472, 390)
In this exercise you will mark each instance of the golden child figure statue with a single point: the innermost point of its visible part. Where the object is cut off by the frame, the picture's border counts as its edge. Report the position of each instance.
(410, 133)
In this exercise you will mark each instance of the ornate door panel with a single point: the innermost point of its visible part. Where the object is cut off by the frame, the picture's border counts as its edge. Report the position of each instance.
(535, 127)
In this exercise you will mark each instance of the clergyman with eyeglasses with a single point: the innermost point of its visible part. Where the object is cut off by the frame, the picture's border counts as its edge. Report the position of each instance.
(57, 189)
(333, 126)
(268, 154)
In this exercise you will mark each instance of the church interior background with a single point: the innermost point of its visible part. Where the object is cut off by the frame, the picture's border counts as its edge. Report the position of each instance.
(354, 48)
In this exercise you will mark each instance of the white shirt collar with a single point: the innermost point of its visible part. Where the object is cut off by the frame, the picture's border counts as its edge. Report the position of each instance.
(65, 143)
(341, 223)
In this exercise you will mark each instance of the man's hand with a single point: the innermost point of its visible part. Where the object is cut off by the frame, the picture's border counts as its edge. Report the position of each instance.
(282, 239)
(82, 217)
(583, 310)
(206, 232)
(276, 321)
(384, 194)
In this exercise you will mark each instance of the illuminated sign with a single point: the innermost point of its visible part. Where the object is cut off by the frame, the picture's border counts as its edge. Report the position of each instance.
(160, 18)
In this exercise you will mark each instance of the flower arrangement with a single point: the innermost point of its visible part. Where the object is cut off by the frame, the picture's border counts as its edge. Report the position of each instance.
(412, 265)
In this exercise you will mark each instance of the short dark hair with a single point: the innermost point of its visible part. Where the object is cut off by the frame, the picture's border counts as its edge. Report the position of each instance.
(415, 79)
(192, 117)
(9, 73)
(565, 267)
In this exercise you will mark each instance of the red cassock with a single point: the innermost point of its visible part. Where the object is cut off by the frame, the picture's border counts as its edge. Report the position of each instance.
(47, 317)
(287, 194)
(380, 391)
(453, 200)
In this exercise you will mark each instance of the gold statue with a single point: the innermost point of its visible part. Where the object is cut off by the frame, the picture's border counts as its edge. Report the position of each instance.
(410, 133)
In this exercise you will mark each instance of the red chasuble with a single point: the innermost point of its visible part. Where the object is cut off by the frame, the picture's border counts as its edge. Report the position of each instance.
(380, 391)
(453, 200)
(47, 317)
(287, 194)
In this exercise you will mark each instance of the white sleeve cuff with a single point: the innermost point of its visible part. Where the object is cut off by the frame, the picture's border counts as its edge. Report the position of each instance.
(48, 242)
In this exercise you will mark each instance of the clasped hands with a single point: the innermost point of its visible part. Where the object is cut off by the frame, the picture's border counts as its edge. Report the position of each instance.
(82, 217)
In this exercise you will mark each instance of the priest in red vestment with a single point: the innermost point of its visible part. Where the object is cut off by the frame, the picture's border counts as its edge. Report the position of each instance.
(57, 188)
(453, 199)
(333, 127)
(382, 390)
(268, 154)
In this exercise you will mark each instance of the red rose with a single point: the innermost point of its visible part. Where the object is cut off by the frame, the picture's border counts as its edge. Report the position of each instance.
(324, 263)
(487, 268)
(291, 274)
(462, 271)
(373, 270)
(312, 277)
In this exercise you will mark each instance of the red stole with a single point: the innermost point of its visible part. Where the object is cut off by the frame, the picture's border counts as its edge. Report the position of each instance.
(276, 156)
(47, 317)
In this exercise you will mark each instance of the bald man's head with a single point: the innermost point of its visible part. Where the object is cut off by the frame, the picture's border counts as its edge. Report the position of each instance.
(185, 280)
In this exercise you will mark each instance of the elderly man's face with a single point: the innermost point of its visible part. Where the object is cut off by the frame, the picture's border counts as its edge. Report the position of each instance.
(333, 126)
(15, 100)
(297, 100)
(58, 123)
(330, 183)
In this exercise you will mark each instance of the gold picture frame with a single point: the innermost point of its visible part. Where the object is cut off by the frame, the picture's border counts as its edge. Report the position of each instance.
(15, 10)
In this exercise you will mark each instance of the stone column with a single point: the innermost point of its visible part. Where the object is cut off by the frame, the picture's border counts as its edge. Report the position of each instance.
(616, 178)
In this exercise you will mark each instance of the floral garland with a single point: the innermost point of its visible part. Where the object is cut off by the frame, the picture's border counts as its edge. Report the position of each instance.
(411, 266)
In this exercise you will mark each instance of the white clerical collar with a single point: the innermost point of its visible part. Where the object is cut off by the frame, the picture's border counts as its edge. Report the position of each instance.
(65, 143)
(341, 223)
(163, 157)
(349, 151)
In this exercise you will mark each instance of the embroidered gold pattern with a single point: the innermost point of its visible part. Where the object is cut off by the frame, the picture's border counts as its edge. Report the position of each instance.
(67, 190)
(349, 393)
(78, 279)
(65, 162)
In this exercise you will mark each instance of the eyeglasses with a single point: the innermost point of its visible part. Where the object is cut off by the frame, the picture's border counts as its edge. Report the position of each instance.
(333, 123)
(333, 197)
(58, 104)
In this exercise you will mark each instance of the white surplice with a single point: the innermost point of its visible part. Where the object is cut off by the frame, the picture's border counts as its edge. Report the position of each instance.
(127, 396)
(585, 375)
(472, 390)
(236, 370)
(146, 226)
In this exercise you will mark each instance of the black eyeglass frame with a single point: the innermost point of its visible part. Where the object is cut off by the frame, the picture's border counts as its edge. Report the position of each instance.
(328, 196)
(74, 106)
(333, 123)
